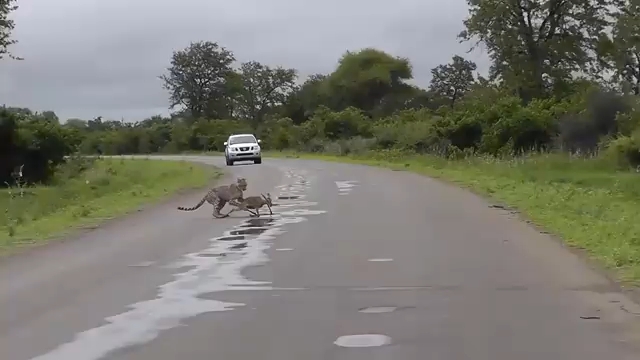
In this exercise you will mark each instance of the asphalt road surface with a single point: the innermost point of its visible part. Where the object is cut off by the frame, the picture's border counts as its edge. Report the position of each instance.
(356, 263)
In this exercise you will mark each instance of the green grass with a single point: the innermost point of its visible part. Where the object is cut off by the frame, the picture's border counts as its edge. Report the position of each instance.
(108, 188)
(584, 201)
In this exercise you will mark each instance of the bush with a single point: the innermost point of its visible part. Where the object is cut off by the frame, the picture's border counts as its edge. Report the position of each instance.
(413, 136)
(37, 144)
(354, 146)
(279, 134)
(625, 151)
(342, 124)
(520, 129)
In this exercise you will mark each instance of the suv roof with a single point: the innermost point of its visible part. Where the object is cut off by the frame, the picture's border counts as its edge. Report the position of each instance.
(237, 135)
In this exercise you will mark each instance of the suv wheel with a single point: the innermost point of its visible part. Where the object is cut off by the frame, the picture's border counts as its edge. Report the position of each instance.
(257, 161)
(229, 162)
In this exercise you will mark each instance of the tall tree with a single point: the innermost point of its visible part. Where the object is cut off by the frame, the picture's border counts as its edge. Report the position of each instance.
(451, 81)
(622, 50)
(50, 116)
(198, 79)
(76, 124)
(6, 26)
(263, 88)
(301, 104)
(362, 79)
(536, 45)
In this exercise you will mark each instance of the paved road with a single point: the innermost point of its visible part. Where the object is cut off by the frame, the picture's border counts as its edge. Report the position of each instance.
(357, 263)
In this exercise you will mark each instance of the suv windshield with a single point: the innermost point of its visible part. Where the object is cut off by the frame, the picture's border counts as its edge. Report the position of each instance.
(242, 139)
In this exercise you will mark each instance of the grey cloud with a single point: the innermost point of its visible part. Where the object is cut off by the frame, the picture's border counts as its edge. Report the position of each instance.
(86, 58)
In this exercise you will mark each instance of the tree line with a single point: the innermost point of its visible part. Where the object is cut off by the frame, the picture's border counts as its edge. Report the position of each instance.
(564, 76)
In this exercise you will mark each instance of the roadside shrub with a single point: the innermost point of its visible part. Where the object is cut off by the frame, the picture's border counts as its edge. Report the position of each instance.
(313, 146)
(628, 121)
(73, 167)
(342, 124)
(356, 145)
(333, 148)
(625, 151)
(576, 133)
(520, 129)
(411, 130)
(37, 144)
(279, 134)
(592, 115)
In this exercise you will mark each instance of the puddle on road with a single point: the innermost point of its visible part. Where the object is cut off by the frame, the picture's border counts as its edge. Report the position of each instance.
(231, 238)
(143, 264)
(257, 223)
(302, 212)
(210, 255)
(210, 296)
(238, 246)
(183, 267)
(383, 309)
(250, 231)
(288, 197)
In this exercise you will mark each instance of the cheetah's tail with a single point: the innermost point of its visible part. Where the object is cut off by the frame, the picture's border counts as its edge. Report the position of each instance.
(195, 207)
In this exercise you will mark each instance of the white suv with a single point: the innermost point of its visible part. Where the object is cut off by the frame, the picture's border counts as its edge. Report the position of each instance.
(242, 147)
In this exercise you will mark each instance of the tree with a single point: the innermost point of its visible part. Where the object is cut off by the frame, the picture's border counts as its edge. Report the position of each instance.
(301, 103)
(404, 97)
(76, 124)
(6, 26)
(262, 89)
(451, 81)
(536, 45)
(20, 111)
(362, 79)
(198, 79)
(622, 50)
(50, 116)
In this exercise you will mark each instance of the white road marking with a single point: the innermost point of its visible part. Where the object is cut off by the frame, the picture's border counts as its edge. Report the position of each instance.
(362, 340)
(378, 309)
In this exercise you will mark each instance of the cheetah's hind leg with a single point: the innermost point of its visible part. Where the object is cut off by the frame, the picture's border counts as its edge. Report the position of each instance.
(220, 216)
(217, 206)
(217, 215)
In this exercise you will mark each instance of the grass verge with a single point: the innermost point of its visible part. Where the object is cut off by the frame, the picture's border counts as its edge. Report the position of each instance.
(105, 189)
(584, 201)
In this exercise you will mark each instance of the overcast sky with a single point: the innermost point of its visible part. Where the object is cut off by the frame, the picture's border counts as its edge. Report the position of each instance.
(85, 58)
